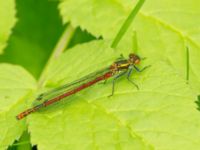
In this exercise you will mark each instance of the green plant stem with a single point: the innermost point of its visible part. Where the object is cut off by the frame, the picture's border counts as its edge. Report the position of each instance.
(127, 23)
(187, 64)
(58, 50)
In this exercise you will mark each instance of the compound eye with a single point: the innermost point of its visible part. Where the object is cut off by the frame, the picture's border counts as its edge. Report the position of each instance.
(134, 58)
(137, 61)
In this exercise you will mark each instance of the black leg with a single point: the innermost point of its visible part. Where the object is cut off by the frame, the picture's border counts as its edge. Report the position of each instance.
(128, 78)
(113, 83)
(140, 70)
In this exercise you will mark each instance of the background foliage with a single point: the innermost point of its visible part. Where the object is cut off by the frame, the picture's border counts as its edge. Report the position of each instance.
(46, 43)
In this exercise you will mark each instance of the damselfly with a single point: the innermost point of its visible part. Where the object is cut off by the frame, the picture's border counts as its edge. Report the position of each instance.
(119, 68)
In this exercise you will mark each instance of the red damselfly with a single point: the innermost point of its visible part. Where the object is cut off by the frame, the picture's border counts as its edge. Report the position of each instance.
(119, 68)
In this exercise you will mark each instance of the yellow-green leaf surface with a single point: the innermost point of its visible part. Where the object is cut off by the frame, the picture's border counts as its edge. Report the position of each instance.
(16, 85)
(161, 115)
(166, 28)
(163, 28)
(7, 20)
(99, 17)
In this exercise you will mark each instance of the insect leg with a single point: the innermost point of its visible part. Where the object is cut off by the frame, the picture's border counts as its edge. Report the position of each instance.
(140, 70)
(113, 83)
(128, 77)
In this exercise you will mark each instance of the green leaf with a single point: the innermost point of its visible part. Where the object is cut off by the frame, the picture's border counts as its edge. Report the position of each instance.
(16, 85)
(161, 115)
(7, 21)
(78, 124)
(164, 29)
(103, 17)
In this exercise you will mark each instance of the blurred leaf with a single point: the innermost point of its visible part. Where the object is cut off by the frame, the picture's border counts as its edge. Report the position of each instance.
(16, 85)
(24, 138)
(35, 34)
(161, 114)
(7, 21)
